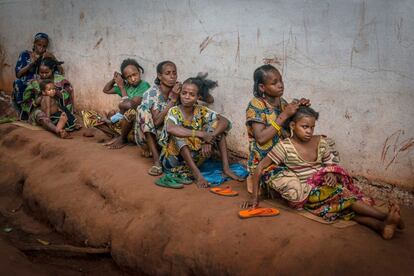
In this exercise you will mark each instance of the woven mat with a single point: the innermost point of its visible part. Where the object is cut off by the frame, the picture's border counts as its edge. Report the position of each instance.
(340, 223)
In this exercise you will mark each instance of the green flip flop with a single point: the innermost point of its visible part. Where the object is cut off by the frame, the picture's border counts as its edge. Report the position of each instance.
(179, 178)
(166, 182)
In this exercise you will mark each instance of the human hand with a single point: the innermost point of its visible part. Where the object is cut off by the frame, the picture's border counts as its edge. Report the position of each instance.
(291, 108)
(304, 102)
(175, 92)
(208, 137)
(330, 180)
(118, 79)
(206, 150)
(35, 59)
(48, 55)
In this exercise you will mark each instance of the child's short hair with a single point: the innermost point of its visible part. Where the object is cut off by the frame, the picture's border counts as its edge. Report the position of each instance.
(159, 69)
(259, 77)
(133, 62)
(304, 111)
(43, 84)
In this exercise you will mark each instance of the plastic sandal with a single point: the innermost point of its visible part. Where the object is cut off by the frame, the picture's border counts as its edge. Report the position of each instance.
(180, 178)
(224, 191)
(155, 171)
(259, 212)
(168, 183)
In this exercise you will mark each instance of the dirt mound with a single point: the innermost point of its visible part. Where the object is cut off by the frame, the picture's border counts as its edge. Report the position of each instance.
(101, 198)
(6, 108)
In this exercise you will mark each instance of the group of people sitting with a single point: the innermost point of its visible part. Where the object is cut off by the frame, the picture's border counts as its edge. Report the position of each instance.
(171, 126)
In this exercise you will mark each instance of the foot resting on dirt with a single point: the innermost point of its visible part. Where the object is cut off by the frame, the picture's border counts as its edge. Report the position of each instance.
(391, 222)
(116, 143)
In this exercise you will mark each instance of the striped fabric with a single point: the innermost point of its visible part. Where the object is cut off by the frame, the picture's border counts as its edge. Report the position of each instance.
(285, 153)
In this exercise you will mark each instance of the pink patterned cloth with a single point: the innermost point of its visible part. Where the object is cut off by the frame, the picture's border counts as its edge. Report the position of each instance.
(317, 179)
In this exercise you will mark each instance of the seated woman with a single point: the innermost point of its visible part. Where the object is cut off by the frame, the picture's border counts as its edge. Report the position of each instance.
(315, 182)
(130, 87)
(151, 113)
(190, 133)
(64, 90)
(27, 67)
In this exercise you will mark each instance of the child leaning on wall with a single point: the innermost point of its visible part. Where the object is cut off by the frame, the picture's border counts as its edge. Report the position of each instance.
(130, 87)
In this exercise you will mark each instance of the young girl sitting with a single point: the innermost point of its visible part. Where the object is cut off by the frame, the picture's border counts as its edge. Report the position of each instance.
(190, 133)
(130, 87)
(265, 117)
(51, 115)
(315, 182)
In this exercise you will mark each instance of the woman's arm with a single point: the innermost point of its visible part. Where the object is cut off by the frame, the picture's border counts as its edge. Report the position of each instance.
(182, 132)
(26, 69)
(222, 124)
(263, 134)
(159, 116)
(109, 87)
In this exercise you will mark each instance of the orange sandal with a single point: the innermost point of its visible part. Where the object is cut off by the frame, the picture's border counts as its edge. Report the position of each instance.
(259, 212)
(224, 191)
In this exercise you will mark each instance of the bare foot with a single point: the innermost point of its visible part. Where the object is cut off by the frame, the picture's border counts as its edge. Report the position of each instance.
(64, 135)
(391, 222)
(111, 141)
(232, 175)
(401, 224)
(145, 152)
(201, 182)
(117, 144)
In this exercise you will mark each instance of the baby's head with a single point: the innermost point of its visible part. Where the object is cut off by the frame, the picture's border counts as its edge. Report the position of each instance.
(48, 88)
(302, 123)
(267, 80)
(131, 71)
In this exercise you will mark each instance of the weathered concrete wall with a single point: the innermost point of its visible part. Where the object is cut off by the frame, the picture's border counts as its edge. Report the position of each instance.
(353, 59)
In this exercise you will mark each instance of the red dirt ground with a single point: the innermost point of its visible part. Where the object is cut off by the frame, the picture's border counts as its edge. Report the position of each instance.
(98, 197)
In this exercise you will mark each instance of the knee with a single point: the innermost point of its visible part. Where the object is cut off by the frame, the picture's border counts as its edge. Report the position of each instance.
(125, 105)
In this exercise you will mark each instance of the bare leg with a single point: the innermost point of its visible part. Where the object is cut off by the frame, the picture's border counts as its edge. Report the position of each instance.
(201, 182)
(152, 145)
(367, 210)
(60, 127)
(225, 159)
(372, 223)
(372, 218)
(122, 140)
(145, 151)
(62, 122)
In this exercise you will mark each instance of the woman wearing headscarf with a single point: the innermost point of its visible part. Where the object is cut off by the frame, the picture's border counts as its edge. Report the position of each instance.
(27, 67)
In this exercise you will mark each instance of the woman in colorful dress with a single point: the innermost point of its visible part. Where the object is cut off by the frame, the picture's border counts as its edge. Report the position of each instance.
(190, 133)
(152, 111)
